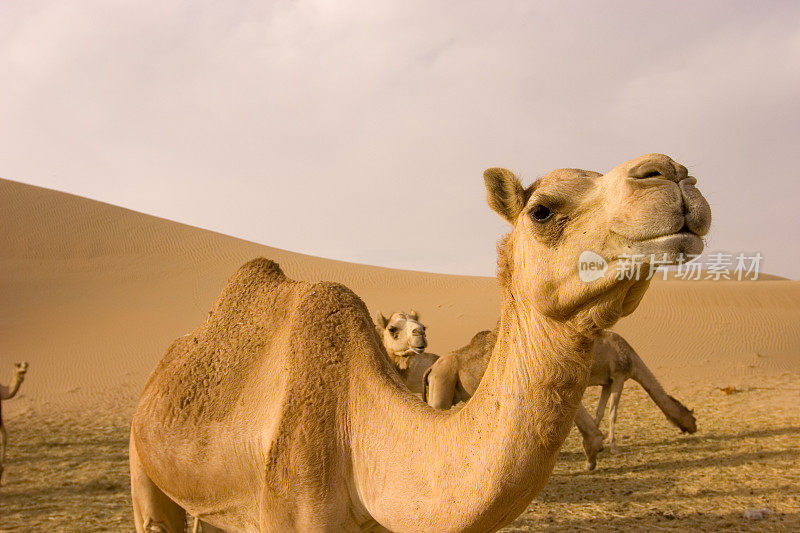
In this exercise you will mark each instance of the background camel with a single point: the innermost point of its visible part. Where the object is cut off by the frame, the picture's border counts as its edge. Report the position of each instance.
(404, 338)
(275, 414)
(455, 377)
(6, 393)
(615, 361)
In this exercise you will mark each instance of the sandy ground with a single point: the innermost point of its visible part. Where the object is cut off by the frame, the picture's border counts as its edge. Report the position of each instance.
(92, 294)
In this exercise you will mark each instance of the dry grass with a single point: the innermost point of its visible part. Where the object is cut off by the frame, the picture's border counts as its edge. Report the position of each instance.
(65, 474)
(745, 455)
(65, 477)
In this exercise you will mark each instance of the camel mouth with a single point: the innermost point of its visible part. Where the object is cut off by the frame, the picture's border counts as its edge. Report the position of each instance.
(411, 350)
(682, 233)
(671, 247)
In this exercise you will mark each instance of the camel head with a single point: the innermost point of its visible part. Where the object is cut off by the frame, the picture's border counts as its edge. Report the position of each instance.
(644, 211)
(21, 368)
(403, 335)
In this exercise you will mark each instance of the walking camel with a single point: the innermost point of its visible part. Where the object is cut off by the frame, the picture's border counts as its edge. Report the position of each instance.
(454, 377)
(6, 393)
(615, 362)
(280, 411)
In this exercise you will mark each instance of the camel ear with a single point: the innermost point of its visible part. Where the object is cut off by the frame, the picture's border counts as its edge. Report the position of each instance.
(504, 193)
(382, 321)
(414, 315)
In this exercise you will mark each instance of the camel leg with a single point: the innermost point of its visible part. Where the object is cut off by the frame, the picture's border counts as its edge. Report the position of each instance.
(153, 511)
(3, 440)
(615, 394)
(674, 410)
(207, 528)
(439, 384)
(198, 526)
(601, 405)
(592, 436)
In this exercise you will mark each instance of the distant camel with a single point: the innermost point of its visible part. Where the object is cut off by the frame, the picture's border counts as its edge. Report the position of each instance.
(280, 411)
(403, 336)
(455, 376)
(6, 393)
(615, 361)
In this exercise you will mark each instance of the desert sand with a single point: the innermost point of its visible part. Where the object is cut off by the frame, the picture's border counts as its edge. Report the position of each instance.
(92, 294)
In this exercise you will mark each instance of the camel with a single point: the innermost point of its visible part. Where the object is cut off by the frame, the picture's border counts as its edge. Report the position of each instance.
(6, 393)
(615, 362)
(403, 337)
(455, 377)
(281, 412)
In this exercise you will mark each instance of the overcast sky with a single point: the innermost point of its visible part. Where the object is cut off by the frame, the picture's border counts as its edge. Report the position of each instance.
(360, 130)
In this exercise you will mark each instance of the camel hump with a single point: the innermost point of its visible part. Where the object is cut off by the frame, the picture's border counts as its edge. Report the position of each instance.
(248, 286)
(325, 299)
(261, 268)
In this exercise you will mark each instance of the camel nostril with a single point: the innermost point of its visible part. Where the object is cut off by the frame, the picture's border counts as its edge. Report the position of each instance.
(653, 169)
(646, 171)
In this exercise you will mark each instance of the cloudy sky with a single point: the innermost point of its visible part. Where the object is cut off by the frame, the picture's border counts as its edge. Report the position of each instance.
(360, 130)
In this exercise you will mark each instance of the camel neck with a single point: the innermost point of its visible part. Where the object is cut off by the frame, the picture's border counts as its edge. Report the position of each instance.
(478, 467)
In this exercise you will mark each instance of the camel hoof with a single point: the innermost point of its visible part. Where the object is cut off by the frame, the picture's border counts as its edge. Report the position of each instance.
(151, 526)
(590, 450)
(613, 450)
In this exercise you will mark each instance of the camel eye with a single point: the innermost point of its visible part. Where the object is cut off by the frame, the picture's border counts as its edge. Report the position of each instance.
(393, 330)
(541, 213)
